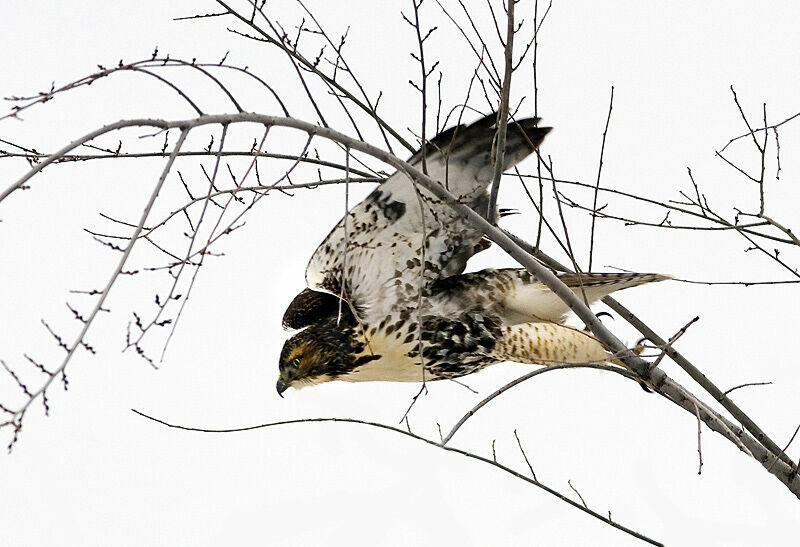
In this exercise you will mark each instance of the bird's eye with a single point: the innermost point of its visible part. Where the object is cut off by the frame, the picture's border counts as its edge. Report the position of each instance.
(295, 362)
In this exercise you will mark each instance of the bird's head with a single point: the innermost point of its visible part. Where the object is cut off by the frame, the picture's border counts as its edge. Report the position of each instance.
(320, 353)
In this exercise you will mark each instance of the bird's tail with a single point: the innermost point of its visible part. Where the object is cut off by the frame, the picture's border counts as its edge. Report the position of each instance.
(516, 296)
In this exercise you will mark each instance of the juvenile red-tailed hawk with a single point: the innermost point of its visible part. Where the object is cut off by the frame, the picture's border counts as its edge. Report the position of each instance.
(410, 313)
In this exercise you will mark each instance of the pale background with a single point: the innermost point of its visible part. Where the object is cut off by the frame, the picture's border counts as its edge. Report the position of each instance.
(93, 473)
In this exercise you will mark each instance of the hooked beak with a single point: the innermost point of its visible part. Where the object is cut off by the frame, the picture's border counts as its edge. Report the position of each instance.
(281, 387)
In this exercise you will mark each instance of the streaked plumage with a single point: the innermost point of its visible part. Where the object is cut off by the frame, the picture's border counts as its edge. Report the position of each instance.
(386, 231)
(396, 308)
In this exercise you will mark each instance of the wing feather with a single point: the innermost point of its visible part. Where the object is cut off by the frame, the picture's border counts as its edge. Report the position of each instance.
(309, 307)
(401, 238)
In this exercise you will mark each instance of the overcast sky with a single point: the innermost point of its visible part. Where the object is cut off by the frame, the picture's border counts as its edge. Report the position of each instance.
(94, 473)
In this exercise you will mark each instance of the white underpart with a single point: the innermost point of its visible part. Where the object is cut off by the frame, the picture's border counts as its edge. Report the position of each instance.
(533, 302)
(386, 369)
(394, 365)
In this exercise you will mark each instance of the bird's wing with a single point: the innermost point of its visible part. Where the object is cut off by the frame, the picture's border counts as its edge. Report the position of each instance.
(401, 226)
(515, 296)
(311, 306)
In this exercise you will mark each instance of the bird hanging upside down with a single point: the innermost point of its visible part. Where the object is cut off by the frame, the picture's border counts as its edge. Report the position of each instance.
(409, 313)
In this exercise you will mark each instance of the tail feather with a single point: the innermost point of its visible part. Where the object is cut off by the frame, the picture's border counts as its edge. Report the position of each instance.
(516, 296)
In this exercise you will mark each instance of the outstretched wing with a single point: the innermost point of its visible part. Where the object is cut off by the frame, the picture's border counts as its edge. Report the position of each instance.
(401, 238)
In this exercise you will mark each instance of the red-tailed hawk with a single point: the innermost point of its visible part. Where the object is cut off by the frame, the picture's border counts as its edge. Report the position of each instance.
(409, 311)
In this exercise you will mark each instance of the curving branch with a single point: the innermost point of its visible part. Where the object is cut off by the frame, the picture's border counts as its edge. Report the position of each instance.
(408, 433)
(551, 366)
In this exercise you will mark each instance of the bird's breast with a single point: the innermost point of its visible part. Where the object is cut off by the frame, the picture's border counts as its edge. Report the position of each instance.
(390, 361)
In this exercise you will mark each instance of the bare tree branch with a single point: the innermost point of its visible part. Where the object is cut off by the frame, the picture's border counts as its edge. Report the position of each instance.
(19, 413)
(523, 378)
(408, 433)
(597, 184)
(499, 148)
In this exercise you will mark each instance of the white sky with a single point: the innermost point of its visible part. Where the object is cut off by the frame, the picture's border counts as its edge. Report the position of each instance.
(93, 473)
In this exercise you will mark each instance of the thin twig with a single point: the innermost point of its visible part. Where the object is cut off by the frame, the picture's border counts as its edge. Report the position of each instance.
(597, 184)
(747, 385)
(674, 339)
(502, 117)
(345, 230)
(699, 445)
(569, 482)
(519, 443)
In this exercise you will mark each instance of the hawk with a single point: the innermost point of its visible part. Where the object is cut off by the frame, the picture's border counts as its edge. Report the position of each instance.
(387, 296)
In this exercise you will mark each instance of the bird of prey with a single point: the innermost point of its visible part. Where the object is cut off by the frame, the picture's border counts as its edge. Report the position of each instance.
(408, 311)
